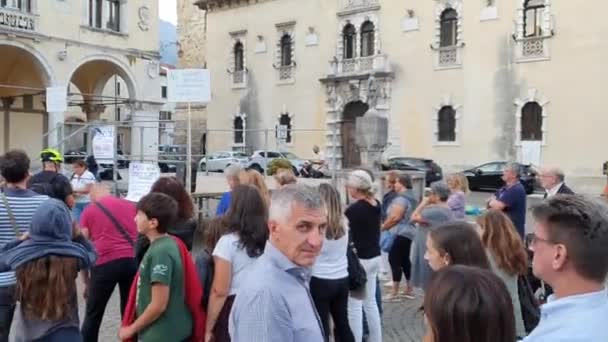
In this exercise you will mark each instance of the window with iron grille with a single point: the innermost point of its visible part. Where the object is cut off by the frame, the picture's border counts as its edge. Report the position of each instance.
(239, 58)
(446, 124)
(449, 28)
(238, 130)
(349, 35)
(285, 120)
(533, 16)
(367, 39)
(532, 122)
(286, 50)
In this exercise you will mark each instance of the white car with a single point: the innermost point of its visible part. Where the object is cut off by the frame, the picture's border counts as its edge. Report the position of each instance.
(219, 161)
(258, 160)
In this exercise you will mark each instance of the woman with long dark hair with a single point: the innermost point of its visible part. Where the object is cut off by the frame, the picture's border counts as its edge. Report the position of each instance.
(468, 304)
(184, 226)
(507, 256)
(246, 231)
(455, 243)
(329, 285)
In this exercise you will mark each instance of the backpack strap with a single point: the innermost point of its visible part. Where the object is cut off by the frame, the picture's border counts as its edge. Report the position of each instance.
(11, 216)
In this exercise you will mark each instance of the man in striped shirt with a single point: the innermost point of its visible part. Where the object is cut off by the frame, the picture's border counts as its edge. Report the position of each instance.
(17, 206)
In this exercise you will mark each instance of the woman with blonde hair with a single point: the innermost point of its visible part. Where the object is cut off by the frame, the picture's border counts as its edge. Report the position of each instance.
(507, 256)
(285, 177)
(255, 179)
(364, 222)
(329, 286)
(457, 198)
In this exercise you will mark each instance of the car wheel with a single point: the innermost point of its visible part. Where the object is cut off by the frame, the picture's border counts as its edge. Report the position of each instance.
(258, 168)
(164, 168)
(202, 167)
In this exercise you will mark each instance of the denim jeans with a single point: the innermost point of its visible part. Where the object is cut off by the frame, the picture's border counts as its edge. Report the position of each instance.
(7, 310)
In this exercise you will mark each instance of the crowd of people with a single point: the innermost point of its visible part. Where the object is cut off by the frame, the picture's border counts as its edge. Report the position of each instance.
(297, 263)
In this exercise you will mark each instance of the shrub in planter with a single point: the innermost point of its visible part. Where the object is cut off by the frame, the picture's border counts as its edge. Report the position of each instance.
(277, 164)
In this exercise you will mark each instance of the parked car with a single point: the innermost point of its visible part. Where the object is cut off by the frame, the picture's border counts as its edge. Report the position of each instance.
(433, 172)
(169, 156)
(259, 159)
(219, 161)
(489, 176)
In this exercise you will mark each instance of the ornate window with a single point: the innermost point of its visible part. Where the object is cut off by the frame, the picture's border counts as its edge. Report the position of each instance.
(285, 53)
(286, 50)
(239, 58)
(367, 39)
(446, 124)
(532, 122)
(533, 17)
(448, 34)
(95, 13)
(113, 15)
(449, 28)
(534, 27)
(238, 125)
(349, 36)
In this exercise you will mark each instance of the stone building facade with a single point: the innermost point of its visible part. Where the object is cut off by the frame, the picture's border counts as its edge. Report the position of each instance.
(460, 82)
(86, 46)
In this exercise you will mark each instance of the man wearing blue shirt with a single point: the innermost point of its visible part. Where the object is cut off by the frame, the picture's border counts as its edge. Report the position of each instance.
(511, 199)
(570, 254)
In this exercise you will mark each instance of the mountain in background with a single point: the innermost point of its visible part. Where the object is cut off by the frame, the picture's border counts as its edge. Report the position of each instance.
(168, 37)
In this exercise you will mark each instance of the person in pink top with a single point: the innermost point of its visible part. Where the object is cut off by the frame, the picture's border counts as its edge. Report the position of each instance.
(110, 224)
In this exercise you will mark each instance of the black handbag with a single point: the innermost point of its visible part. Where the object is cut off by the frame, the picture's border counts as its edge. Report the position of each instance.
(530, 309)
(357, 277)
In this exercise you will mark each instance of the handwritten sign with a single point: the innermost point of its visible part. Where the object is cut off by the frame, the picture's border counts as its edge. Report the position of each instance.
(103, 144)
(56, 99)
(189, 85)
(141, 178)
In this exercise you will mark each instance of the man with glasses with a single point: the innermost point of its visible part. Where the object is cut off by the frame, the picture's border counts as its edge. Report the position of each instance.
(552, 180)
(570, 253)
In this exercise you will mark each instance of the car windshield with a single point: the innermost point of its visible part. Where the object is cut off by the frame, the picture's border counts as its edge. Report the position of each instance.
(240, 155)
(289, 155)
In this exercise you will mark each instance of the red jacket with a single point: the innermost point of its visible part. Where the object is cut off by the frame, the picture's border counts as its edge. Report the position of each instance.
(193, 292)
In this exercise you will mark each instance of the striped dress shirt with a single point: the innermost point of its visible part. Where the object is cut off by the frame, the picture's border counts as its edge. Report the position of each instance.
(23, 203)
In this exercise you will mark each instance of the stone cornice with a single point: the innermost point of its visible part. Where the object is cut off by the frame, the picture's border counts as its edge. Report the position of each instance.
(218, 5)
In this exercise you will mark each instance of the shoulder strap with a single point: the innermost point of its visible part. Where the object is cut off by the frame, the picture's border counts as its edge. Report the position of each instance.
(117, 224)
(11, 217)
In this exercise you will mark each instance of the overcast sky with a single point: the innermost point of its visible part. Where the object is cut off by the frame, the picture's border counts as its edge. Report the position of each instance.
(167, 11)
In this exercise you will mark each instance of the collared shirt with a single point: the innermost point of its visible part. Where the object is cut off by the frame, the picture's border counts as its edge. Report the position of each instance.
(275, 303)
(580, 318)
(553, 191)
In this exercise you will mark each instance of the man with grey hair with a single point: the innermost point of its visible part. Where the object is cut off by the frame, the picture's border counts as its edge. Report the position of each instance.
(552, 180)
(232, 177)
(511, 199)
(275, 303)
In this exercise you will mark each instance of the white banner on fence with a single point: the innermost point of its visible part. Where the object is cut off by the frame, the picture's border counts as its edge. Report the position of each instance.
(189, 85)
(141, 178)
(103, 144)
(56, 99)
(531, 152)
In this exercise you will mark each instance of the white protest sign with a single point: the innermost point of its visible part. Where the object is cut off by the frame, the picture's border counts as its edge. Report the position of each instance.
(141, 178)
(531, 152)
(103, 144)
(56, 99)
(189, 85)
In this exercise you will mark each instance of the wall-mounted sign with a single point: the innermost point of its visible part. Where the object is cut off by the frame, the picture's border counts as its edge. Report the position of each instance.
(16, 20)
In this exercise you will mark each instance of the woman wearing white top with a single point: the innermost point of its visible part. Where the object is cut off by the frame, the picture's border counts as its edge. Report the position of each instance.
(329, 283)
(246, 235)
(81, 181)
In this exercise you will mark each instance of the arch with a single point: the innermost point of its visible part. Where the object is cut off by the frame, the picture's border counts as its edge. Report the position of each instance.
(239, 56)
(449, 28)
(350, 153)
(44, 66)
(349, 35)
(531, 122)
(286, 50)
(368, 39)
(446, 124)
(105, 66)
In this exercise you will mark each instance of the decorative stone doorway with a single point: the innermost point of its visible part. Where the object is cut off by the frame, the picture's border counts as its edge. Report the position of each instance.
(351, 156)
